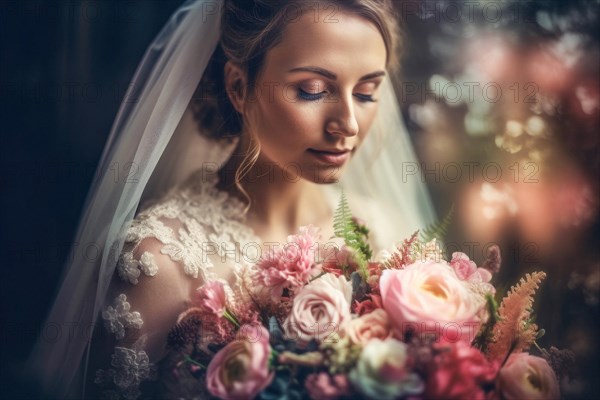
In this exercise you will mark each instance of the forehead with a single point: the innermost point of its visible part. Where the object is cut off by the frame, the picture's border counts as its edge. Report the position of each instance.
(345, 43)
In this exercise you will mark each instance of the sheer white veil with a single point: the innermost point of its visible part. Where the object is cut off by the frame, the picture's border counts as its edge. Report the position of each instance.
(154, 128)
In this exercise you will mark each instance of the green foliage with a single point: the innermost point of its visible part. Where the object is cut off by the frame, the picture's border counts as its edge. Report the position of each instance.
(486, 332)
(354, 235)
(439, 229)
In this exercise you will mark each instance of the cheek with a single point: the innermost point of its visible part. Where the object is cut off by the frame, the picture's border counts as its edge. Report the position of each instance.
(283, 122)
(366, 117)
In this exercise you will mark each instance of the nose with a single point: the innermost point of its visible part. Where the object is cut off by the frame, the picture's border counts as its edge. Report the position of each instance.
(342, 119)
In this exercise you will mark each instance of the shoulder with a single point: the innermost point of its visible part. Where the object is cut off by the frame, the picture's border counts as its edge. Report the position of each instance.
(151, 283)
(165, 248)
(191, 229)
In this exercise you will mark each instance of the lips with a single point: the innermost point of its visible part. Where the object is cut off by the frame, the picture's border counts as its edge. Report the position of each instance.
(335, 157)
(332, 151)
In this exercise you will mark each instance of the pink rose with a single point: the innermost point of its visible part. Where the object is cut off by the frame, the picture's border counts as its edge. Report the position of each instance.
(369, 326)
(428, 297)
(320, 309)
(459, 371)
(467, 270)
(527, 377)
(211, 296)
(240, 370)
(323, 386)
(291, 266)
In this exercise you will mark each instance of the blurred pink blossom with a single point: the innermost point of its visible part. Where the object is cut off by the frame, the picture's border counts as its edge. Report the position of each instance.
(527, 377)
(459, 371)
(240, 370)
(323, 386)
(467, 270)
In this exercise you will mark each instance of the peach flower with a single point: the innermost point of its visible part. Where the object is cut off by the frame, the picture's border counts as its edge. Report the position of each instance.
(375, 324)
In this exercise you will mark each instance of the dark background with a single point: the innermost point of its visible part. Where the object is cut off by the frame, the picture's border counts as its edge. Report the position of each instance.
(64, 68)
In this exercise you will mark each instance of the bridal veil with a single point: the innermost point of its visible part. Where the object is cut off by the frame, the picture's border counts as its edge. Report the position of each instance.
(152, 142)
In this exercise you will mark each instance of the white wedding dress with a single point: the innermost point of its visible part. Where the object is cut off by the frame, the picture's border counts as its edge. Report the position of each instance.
(195, 233)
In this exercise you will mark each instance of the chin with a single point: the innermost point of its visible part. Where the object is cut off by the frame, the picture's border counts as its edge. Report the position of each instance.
(326, 176)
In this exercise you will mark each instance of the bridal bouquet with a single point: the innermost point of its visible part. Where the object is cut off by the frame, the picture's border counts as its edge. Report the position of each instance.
(334, 324)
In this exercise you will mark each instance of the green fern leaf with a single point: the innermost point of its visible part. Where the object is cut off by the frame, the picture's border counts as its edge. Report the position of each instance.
(439, 229)
(354, 235)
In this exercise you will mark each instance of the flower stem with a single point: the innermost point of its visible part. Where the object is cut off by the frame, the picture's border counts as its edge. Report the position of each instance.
(317, 277)
(229, 316)
(192, 361)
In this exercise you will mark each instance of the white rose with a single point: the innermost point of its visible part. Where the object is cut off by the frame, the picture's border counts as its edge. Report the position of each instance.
(381, 371)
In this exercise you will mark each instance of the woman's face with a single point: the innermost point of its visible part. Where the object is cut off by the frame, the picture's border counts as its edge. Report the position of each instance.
(318, 91)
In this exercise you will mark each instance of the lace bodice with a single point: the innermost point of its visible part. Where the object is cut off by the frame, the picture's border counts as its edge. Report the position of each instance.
(199, 226)
(195, 233)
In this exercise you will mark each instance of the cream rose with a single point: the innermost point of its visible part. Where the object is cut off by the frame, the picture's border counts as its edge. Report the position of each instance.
(429, 297)
(319, 310)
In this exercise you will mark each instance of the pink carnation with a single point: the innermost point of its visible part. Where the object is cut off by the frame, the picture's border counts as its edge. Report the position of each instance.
(292, 266)
(211, 297)
(459, 371)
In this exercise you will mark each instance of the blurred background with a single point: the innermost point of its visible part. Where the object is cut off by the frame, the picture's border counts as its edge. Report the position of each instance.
(502, 100)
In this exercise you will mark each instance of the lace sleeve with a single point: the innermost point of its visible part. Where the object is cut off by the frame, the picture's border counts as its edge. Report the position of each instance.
(171, 248)
(146, 296)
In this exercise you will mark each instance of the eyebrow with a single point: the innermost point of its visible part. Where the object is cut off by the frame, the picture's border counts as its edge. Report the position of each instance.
(331, 75)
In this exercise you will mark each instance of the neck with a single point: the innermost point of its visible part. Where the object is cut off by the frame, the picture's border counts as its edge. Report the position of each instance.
(279, 205)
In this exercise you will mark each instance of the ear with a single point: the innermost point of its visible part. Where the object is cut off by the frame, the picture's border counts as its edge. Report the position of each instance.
(235, 85)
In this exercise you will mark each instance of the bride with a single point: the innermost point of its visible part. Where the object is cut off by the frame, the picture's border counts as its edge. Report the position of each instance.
(245, 120)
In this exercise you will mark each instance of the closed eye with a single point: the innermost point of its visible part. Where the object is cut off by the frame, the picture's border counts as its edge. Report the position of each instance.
(304, 95)
(365, 97)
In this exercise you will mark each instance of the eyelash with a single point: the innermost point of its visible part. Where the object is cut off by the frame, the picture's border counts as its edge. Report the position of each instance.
(365, 98)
